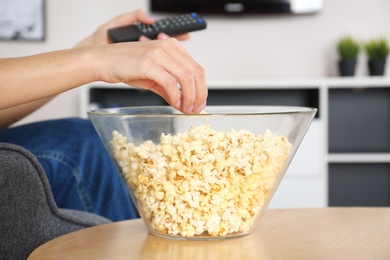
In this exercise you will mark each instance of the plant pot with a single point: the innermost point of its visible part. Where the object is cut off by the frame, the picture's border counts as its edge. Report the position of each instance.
(377, 68)
(347, 68)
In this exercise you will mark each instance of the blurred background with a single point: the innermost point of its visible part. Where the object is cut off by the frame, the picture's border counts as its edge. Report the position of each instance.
(246, 46)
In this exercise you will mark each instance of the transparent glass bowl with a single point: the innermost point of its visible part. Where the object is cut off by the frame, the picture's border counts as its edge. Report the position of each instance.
(202, 176)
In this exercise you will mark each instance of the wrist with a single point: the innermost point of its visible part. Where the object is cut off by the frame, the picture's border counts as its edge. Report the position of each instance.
(85, 42)
(88, 62)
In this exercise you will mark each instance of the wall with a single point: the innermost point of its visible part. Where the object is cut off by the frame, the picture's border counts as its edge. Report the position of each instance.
(254, 47)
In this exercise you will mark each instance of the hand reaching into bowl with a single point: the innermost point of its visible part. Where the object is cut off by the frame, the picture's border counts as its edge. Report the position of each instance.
(158, 66)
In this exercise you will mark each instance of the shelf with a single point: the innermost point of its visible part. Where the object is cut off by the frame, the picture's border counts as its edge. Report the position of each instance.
(359, 82)
(359, 158)
(359, 120)
(363, 184)
(335, 82)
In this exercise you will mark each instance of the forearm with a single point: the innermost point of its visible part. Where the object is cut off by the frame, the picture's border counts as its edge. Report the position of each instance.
(27, 79)
(9, 116)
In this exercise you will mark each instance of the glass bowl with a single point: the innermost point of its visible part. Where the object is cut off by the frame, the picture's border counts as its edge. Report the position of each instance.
(202, 176)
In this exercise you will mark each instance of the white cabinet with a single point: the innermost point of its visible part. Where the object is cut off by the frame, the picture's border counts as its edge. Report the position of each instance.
(304, 184)
(344, 134)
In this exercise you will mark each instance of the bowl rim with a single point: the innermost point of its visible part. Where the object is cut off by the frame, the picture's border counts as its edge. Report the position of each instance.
(257, 110)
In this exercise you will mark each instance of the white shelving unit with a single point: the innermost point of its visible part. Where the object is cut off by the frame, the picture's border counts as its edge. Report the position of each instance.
(306, 183)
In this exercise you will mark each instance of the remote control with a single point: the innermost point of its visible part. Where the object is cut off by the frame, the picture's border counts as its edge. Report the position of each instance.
(173, 25)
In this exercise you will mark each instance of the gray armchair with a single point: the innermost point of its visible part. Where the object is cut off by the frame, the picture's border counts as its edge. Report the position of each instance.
(29, 215)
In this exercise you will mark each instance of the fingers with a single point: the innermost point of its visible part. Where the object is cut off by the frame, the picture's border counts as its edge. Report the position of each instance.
(163, 36)
(181, 37)
(179, 79)
(162, 66)
(171, 68)
(191, 78)
(130, 18)
(143, 39)
(187, 73)
(100, 36)
(141, 16)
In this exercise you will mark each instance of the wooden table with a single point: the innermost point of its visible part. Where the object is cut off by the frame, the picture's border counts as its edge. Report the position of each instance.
(328, 233)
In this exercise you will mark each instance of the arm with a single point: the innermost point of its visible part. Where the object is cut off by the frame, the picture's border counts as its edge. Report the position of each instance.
(33, 78)
(13, 114)
(8, 116)
(154, 65)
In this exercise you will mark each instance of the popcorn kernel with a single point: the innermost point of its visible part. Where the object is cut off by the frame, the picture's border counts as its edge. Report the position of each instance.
(202, 180)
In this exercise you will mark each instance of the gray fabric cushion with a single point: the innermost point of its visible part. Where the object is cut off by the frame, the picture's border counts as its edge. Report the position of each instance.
(29, 215)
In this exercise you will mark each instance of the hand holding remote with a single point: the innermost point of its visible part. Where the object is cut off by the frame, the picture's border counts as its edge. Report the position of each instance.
(172, 26)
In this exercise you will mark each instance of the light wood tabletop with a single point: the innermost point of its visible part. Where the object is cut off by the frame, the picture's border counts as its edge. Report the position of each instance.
(325, 233)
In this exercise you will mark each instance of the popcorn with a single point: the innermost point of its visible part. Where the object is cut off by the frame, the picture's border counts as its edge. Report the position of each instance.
(202, 181)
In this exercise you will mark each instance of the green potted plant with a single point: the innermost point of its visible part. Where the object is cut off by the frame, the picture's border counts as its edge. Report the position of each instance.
(348, 49)
(377, 51)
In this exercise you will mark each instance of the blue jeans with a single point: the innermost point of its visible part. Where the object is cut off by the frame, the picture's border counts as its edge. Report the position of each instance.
(80, 171)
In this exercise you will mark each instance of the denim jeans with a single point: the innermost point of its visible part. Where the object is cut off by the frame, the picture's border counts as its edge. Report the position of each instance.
(81, 174)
